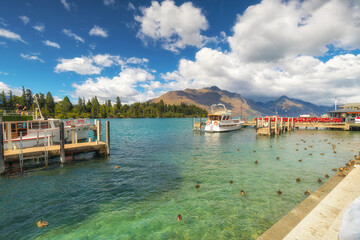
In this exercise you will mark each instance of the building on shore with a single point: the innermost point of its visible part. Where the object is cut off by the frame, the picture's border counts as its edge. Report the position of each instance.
(348, 111)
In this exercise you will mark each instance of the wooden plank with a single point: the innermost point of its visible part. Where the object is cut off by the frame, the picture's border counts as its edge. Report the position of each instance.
(12, 155)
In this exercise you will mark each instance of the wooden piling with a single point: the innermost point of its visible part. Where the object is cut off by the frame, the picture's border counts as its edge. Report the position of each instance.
(62, 143)
(2, 159)
(276, 126)
(73, 129)
(9, 135)
(98, 123)
(269, 123)
(107, 137)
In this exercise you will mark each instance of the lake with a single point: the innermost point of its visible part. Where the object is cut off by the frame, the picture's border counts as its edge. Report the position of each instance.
(161, 161)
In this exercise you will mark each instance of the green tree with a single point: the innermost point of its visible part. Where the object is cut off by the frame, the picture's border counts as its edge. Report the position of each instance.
(50, 104)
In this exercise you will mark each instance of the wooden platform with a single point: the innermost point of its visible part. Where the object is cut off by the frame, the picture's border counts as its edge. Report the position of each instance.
(53, 151)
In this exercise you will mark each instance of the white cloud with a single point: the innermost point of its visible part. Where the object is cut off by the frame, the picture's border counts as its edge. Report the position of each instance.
(131, 7)
(3, 44)
(80, 65)
(66, 5)
(4, 73)
(273, 49)
(123, 85)
(108, 2)
(39, 27)
(95, 64)
(275, 29)
(31, 57)
(98, 31)
(72, 35)
(6, 88)
(175, 27)
(51, 44)
(25, 19)
(10, 35)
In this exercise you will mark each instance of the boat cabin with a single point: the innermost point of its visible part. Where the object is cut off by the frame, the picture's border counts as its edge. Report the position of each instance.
(218, 117)
(23, 128)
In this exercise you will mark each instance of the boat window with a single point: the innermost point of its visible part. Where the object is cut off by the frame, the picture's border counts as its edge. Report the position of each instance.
(227, 117)
(35, 125)
(44, 125)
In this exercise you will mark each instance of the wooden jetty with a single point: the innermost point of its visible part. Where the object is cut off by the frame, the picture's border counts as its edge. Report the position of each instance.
(291, 123)
(273, 126)
(49, 150)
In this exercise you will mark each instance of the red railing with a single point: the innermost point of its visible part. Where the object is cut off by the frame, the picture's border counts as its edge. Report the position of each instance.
(304, 120)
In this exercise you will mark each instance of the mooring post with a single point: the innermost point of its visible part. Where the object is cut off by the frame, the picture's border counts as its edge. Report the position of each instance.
(73, 133)
(107, 137)
(2, 159)
(8, 126)
(256, 126)
(193, 125)
(62, 143)
(269, 123)
(98, 131)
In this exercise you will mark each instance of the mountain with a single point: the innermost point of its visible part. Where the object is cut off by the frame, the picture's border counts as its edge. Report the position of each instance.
(205, 97)
(293, 107)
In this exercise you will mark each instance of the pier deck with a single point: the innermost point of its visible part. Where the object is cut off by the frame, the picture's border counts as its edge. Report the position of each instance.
(53, 151)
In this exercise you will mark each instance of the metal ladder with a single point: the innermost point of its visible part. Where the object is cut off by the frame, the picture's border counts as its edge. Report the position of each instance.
(21, 153)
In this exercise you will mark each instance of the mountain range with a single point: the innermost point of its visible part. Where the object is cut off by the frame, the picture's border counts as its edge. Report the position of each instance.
(240, 105)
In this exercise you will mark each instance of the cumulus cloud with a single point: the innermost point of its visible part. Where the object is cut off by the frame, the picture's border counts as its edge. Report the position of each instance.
(175, 27)
(98, 31)
(123, 85)
(80, 65)
(39, 27)
(274, 49)
(25, 19)
(303, 77)
(275, 29)
(10, 35)
(72, 35)
(108, 2)
(32, 57)
(6, 88)
(51, 44)
(95, 64)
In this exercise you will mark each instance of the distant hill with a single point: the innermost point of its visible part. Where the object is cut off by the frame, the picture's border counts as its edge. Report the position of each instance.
(205, 97)
(294, 107)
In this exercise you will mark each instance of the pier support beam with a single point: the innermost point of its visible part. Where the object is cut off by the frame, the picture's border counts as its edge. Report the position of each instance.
(9, 136)
(2, 159)
(107, 137)
(269, 122)
(62, 143)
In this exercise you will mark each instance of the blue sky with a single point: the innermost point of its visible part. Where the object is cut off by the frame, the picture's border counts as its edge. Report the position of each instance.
(140, 49)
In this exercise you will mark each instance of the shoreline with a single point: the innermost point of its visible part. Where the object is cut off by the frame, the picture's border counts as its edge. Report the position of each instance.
(288, 223)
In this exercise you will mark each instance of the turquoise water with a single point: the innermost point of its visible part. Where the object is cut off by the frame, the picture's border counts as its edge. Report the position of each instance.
(161, 162)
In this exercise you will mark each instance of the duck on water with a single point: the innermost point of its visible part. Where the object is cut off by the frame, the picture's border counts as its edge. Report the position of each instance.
(221, 120)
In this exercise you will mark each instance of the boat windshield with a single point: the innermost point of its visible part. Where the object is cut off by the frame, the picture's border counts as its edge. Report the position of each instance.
(215, 117)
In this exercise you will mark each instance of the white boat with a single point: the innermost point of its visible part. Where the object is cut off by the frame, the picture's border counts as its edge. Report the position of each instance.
(35, 132)
(221, 121)
(31, 133)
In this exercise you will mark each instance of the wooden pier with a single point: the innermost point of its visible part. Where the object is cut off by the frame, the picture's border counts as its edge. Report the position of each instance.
(273, 126)
(47, 150)
(288, 124)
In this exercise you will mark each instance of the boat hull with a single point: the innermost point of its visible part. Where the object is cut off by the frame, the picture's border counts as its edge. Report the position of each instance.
(223, 128)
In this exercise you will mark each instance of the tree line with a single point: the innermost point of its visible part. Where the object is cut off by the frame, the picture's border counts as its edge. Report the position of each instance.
(93, 109)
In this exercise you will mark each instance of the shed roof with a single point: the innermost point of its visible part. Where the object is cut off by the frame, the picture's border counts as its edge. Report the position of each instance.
(346, 110)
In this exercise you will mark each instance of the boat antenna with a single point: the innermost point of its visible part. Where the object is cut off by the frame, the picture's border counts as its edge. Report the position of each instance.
(335, 103)
(38, 107)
